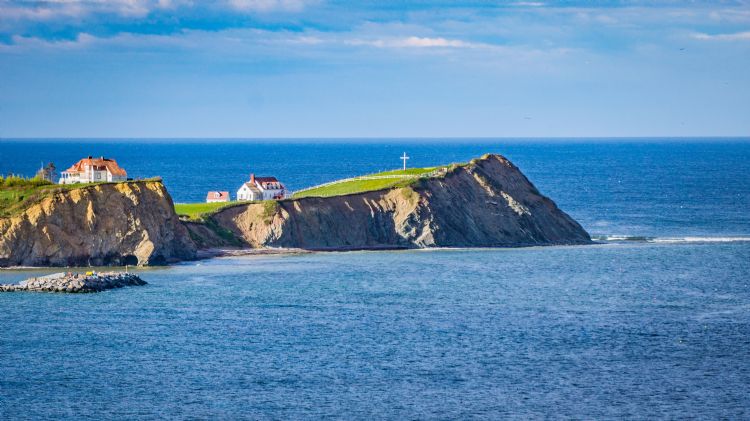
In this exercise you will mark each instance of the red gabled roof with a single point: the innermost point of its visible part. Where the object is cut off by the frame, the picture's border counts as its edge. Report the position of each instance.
(266, 179)
(223, 195)
(109, 164)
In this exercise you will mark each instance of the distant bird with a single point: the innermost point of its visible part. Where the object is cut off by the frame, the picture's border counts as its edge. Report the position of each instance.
(682, 49)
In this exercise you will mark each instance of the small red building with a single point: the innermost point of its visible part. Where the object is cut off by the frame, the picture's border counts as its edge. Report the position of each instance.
(217, 196)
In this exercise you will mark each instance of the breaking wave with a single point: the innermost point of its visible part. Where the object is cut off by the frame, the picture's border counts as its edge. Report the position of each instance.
(690, 239)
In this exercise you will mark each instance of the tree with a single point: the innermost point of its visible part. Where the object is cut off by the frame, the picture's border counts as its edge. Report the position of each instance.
(47, 172)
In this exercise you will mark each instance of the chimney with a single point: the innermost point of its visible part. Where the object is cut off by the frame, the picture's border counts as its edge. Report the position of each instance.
(252, 178)
(90, 157)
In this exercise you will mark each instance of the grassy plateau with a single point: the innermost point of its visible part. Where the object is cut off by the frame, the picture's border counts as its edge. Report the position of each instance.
(196, 211)
(365, 183)
(17, 193)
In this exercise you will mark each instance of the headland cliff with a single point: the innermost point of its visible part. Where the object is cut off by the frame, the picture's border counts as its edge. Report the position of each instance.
(97, 225)
(485, 203)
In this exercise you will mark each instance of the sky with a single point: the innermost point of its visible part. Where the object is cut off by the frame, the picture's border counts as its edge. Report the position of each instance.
(409, 68)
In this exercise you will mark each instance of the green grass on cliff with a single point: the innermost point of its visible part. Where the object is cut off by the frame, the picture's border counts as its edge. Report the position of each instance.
(18, 193)
(199, 211)
(408, 171)
(196, 211)
(349, 187)
(365, 184)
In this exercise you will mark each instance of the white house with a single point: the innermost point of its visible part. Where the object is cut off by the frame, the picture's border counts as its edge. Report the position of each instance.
(261, 188)
(217, 196)
(92, 170)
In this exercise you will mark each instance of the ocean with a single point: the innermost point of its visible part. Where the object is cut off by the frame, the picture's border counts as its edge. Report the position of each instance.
(652, 322)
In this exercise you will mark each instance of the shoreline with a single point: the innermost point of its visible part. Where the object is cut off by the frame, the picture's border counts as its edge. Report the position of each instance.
(215, 252)
(218, 252)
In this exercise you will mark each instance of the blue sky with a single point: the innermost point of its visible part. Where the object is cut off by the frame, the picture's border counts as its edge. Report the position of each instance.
(317, 68)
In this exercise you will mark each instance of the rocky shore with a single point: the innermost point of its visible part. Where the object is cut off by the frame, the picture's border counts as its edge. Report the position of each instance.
(76, 282)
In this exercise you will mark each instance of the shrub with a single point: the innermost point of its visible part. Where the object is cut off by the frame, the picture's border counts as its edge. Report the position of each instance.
(19, 181)
(269, 210)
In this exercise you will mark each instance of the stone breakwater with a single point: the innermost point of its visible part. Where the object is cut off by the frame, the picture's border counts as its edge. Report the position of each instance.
(75, 282)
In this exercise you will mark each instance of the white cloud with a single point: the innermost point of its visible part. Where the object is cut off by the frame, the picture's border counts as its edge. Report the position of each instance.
(528, 4)
(52, 9)
(258, 42)
(415, 42)
(25, 43)
(732, 15)
(737, 36)
(267, 5)
(307, 40)
(55, 9)
(230, 41)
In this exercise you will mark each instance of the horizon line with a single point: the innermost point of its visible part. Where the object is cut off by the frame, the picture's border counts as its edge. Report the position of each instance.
(325, 138)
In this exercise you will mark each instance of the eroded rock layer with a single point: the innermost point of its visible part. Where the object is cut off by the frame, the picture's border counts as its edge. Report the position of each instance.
(487, 203)
(103, 224)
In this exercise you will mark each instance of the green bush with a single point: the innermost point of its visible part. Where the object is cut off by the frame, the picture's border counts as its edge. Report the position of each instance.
(269, 210)
(19, 181)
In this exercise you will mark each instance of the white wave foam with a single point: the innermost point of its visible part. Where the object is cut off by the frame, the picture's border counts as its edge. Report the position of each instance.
(692, 239)
(700, 240)
(620, 238)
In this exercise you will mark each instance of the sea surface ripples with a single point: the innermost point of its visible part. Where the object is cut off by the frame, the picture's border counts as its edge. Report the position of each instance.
(637, 330)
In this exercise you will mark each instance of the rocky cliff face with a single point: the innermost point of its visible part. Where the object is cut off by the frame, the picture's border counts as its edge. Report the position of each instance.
(103, 224)
(487, 203)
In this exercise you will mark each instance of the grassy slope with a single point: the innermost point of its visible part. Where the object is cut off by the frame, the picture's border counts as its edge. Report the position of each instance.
(359, 186)
(198, 211)
(350, 187)
(408, 171)
(25, 192)
(22, 193)
(195, 211)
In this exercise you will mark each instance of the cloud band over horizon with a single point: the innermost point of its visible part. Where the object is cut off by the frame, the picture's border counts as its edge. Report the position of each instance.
(324, 68)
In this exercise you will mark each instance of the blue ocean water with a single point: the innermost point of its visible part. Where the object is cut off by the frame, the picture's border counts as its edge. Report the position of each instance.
(638, 187)
(623, 329)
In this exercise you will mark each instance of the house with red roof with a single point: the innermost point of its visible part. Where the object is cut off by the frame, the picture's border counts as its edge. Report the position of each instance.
(93, 170)
(261, 188)
(217, 196)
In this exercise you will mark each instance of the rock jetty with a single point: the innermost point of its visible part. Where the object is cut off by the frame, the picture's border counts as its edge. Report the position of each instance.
(76, 282)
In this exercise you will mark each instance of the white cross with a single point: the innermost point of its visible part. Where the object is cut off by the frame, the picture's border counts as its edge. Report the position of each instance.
(404, 158)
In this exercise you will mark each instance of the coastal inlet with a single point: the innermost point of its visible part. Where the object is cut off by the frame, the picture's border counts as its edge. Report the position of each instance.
(76, 282)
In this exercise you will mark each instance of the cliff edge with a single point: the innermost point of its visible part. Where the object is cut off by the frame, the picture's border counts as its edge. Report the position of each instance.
(486, 203)
(95, 225)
